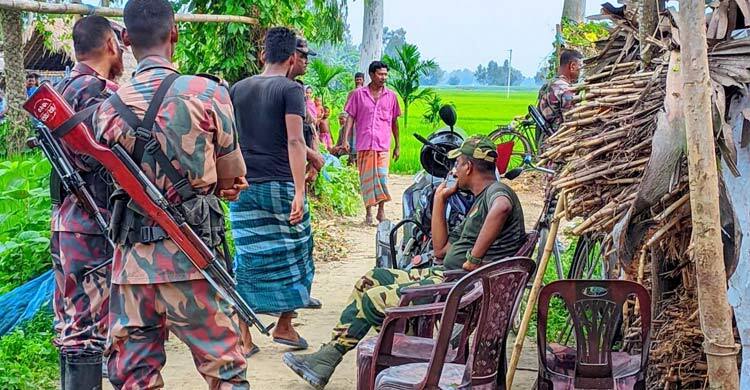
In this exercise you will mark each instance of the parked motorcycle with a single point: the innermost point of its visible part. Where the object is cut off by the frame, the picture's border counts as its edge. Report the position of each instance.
(415, 225)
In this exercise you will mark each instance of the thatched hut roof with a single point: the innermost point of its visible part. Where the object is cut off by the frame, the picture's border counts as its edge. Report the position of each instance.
(50, 52)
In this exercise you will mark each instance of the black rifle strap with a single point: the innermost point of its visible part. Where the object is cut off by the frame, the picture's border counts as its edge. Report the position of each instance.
(145, 140)
(74, 120)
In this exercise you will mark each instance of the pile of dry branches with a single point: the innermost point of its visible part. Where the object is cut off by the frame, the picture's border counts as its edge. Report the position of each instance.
(605, 144)
(602, 150)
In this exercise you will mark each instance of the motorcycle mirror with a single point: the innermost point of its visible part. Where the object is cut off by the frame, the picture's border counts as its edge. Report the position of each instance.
(448, 115)
(513, 173)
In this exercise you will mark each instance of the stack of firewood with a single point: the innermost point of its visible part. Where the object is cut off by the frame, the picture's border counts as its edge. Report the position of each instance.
(601, 152)
(605, 144)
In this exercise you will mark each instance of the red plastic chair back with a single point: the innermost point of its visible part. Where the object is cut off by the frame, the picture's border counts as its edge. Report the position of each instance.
(595, 307)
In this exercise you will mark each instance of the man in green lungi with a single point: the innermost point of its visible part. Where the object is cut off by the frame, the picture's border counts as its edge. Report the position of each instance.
(271, 220)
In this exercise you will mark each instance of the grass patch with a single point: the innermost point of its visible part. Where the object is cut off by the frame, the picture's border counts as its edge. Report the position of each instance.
(479, 112)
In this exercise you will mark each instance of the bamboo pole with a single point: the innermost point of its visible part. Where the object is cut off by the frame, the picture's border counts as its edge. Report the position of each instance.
(84, 9)
(534, 293)
(707, 253)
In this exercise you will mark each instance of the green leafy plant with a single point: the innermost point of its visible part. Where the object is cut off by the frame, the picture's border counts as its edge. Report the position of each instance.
(405, 70)
(231, 50)
(431, 114)
(24, 219)
(28, 359)
(321, 77)
(340, 194)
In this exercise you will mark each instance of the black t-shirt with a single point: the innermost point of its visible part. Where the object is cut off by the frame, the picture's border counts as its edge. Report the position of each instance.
(260, 104)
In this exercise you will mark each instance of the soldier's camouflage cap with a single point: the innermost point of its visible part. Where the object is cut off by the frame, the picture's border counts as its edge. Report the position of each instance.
(478, 147)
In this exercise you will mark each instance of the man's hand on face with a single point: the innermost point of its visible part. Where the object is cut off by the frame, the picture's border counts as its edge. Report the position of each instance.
(443, 192)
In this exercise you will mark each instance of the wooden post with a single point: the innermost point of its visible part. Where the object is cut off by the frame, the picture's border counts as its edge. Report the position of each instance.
(534, 293)
(707, 250)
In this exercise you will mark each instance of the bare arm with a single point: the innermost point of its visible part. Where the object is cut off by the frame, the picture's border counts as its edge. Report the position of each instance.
(347, 129)
(438, 224)
(491, 228)
(297, 158)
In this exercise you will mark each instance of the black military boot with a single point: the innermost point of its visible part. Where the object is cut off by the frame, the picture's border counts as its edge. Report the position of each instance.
(83, 371)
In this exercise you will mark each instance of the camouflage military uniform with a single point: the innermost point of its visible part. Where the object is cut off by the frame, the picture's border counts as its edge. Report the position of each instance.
(554, 99)
(81, 304)
(154, 285)
(376, 291)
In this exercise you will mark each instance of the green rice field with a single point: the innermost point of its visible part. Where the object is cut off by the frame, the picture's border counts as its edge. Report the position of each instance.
(479, 112)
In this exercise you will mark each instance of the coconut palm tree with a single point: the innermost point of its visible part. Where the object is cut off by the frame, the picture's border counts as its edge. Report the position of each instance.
(404, 72)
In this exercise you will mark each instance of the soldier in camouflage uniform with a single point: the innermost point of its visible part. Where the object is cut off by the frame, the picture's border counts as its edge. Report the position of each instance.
(81, 303)
(155, 287)
(556, 96)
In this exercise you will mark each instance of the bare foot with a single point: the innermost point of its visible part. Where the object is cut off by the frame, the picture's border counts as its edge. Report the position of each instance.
(381, 213)
(368, 220)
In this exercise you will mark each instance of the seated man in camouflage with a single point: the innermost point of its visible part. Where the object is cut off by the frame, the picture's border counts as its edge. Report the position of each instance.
(556, 96)
(493, 229)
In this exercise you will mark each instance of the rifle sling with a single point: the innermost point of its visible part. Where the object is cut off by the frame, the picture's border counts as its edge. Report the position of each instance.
(74, 120)
(145, 140)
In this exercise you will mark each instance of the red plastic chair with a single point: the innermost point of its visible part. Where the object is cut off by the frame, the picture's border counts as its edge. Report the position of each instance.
(596, 308)
(415, 349)
(492, 291)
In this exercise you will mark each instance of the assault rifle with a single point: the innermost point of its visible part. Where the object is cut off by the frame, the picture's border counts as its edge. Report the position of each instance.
(71, 180)
(50, 108)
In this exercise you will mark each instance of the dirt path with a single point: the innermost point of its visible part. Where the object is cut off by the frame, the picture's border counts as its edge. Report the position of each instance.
(333, 281)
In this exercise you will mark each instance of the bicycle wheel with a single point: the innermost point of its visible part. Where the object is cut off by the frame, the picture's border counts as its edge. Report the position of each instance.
(521, 146)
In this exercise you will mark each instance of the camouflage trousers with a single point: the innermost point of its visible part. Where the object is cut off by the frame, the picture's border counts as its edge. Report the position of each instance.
(81, 303)
(376, 291)
(141, 315)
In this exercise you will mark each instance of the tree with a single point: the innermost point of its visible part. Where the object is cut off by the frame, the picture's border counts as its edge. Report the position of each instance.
(481, 74)
(706, 246)
(433, 77)
(15, 93)
(494, 74)
(406, 69)
(454, 79)
(231, 50)
(392, 40)
(465, 77)
(372, 35)
(574, 10)
(320, 76)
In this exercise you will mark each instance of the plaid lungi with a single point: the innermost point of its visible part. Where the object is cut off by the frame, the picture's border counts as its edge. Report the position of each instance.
(373, 176)
(273, 259)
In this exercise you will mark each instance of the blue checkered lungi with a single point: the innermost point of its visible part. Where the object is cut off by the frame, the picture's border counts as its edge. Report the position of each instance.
(273, 260)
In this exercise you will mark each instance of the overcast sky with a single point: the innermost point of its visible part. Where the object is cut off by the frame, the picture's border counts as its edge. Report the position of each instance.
(465, 33)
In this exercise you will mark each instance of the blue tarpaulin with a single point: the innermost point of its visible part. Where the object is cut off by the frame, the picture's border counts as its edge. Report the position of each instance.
(23, 302)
